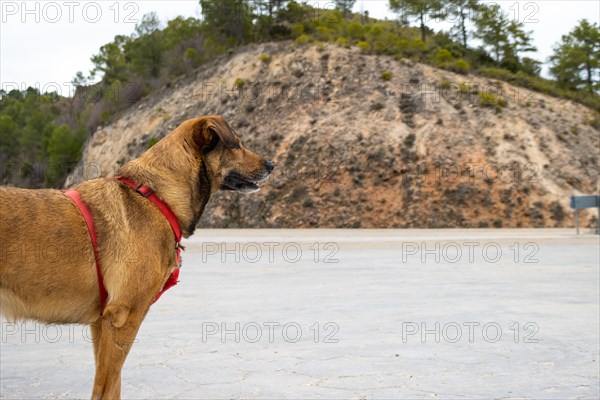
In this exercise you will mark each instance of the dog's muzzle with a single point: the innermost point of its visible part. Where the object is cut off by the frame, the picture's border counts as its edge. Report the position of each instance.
(245, 184)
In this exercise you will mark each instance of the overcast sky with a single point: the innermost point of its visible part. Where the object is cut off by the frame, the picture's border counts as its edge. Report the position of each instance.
(44, 43)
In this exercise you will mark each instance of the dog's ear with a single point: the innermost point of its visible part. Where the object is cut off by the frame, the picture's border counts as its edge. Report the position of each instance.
(212, 130)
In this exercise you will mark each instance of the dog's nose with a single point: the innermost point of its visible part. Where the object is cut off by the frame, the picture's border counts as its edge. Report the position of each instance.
(269, 166)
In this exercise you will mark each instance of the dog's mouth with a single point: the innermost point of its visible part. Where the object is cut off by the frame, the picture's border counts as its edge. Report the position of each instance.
(240, 183)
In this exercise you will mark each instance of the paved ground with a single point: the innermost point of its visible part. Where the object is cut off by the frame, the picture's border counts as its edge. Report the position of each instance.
(349, 314)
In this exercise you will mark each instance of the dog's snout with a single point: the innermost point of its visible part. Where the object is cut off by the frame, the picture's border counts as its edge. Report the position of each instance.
(269, 166)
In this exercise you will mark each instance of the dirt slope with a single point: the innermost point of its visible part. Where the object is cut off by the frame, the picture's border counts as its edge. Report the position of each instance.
(355, 150)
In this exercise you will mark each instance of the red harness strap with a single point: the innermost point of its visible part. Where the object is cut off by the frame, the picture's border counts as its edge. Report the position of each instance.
(89, 221)
(163, 207)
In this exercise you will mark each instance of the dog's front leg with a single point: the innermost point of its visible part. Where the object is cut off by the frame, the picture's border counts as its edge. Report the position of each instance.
(117, 330)
(96, 329)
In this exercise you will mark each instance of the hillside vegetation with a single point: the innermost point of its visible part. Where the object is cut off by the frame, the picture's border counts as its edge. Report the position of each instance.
(373, 123)
(368, 141)
(42, 134)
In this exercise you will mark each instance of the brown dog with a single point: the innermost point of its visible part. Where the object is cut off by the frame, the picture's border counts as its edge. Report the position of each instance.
(47, 267)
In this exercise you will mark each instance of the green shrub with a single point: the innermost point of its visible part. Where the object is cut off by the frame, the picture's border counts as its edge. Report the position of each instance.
(442, 57)
(239, 83)
(302, 39)
(415, 47)
(445, 85)
(356, 31)
(487, 100)
(342, 42)
(323, 33)
(389, 43)
(212, 48)
(386, 75)
(375, 30)
(190, 53)
(464, 88)
(541, 85)
(492, 101)
(380, 47)
(297, 30)
(461, 66)
(365, 47)
(497, 73)
(402, 45)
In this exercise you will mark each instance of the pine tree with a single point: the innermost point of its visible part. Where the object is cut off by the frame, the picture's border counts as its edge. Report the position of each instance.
(231, 19)
(506, 38)
(460, 12)
(111, 60)
(345, 6)
(9, 137)
(492, 27)
(64, 150)
(271, 8)
(576, 59)
(145, 50)
(531, 67)
(419, 9)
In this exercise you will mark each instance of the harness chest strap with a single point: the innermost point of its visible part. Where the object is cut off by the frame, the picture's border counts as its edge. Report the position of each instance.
(164, 208)
(89, 221)
(148, 193)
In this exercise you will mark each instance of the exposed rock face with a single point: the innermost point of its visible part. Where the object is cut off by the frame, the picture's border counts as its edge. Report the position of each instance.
(354, 150)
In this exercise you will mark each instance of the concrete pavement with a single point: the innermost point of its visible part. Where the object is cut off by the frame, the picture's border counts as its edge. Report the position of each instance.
(342, 314)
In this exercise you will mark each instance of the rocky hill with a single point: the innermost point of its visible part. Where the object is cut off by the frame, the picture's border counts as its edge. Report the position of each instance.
(373, 142)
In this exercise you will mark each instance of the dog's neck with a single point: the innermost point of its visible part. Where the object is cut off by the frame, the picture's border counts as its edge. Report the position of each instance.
(204, 192)
(186, 197)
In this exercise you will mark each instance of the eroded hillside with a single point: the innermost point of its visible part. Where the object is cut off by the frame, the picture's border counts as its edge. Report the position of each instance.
(424, 148)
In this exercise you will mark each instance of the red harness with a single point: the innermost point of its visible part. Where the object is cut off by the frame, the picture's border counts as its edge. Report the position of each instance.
(163, 207)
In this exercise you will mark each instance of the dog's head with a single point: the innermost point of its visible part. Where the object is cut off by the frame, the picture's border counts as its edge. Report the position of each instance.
(229, 165)
(192, 163)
